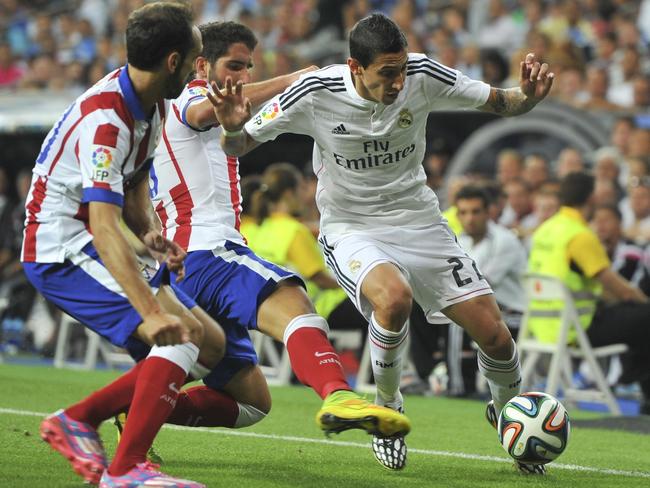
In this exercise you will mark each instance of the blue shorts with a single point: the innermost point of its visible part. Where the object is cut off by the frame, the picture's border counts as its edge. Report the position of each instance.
(83, 288)
(230, 283)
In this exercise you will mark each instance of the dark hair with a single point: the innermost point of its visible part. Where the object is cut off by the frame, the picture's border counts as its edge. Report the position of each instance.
(249, 185)
(576, 188)
(219, 36)
(156, 30)
(612, 208)
(471, 192)
(277, 179)
(374, 35)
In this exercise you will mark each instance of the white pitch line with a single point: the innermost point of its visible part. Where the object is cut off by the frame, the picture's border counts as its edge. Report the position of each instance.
(428, 452)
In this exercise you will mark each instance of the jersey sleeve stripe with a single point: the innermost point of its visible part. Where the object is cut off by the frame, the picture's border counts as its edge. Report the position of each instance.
(106, 135)
(102, 195)
(294, 89)
(432, 75)
(433, 65)
(307, 91)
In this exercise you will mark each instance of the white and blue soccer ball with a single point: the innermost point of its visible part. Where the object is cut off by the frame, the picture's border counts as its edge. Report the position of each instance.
(534, 428)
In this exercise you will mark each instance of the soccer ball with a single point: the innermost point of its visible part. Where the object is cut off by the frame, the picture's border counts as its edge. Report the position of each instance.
(534, 428)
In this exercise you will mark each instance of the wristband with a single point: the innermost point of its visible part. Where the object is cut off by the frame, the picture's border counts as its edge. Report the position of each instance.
(231, 133)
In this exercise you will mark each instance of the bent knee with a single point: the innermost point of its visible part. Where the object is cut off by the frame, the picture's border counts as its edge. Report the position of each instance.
(498, 336)
(250, 415)
(395, 302)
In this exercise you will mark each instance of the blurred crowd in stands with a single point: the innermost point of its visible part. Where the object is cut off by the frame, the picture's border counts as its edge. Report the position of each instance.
(599, 50)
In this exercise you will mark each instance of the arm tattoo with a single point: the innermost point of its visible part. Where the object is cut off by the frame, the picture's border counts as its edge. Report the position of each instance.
(507, 102)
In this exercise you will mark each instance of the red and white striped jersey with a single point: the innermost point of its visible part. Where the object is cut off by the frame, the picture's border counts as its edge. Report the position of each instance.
(194, 185)
(92, 151)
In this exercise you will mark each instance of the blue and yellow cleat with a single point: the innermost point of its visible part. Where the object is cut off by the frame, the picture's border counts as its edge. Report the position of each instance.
(344, 410)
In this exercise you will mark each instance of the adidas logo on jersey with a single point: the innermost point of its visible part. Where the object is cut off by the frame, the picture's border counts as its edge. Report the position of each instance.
(340, 129)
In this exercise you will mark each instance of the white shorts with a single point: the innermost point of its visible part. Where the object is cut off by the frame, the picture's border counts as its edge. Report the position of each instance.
(439, 272)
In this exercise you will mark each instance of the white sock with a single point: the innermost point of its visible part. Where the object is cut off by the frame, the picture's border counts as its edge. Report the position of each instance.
(386, 351)
(503, 377)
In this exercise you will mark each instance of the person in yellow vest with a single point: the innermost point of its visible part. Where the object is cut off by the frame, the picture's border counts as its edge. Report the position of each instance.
(281, 238)
(566, 248)
(248, 224)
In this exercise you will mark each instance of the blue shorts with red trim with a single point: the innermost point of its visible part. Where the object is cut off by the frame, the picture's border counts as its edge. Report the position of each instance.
(83, 288)
(230, 283)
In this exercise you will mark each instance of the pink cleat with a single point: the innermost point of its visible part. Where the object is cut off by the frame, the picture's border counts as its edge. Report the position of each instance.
(145, 474)
(78, 442)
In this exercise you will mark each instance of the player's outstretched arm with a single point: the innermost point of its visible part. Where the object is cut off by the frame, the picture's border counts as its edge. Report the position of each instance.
(202, 115)
(534, 84)
(117, 255)
(232, 110)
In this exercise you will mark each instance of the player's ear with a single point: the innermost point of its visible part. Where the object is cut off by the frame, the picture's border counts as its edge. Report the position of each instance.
(201, 67)
(354, 66)
(173, 61)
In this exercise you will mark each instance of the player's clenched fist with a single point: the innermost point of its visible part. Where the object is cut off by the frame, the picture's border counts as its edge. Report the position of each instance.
(164, 329)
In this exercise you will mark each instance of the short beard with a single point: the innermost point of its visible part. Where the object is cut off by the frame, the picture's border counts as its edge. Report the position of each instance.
(174, 86)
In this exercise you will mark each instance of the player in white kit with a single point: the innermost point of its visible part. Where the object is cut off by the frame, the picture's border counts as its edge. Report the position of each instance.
(195, 190)
(381, 228)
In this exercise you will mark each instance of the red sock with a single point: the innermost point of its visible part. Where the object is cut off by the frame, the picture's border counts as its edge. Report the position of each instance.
(154, 399)
(201, 406)
(315, 361)
(107, 402)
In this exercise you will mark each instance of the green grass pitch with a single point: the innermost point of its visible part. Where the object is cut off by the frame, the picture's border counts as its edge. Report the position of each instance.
(450, 445)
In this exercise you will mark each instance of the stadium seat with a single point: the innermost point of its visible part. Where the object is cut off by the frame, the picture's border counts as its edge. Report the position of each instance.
(560, 370)
(96, 345)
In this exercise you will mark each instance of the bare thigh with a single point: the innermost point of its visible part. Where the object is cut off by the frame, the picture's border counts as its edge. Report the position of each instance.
(249, 386)
(287, 302)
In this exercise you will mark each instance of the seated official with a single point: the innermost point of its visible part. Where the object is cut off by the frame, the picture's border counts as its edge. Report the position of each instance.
(566, 248)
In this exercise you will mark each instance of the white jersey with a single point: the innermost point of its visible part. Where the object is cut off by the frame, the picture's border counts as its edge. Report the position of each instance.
(93, 150)
(368, 156)
(194, 185)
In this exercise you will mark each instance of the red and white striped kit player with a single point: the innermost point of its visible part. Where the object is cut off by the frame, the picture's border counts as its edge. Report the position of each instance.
(93, 150)
(194, 184)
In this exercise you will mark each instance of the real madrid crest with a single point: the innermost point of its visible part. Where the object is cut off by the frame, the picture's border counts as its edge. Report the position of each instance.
(354, 266)
(405, 119)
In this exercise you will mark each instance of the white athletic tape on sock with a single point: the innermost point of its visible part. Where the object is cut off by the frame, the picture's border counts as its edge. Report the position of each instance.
(248, 415)
(183, 355)
(308, 320)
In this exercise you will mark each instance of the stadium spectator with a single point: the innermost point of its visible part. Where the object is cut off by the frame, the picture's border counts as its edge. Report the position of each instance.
(566, 248)
(10, 71)
(569, 161)
(636, 211)
(628, 258)
(606, 192)
(641, 93)
(518, 213)
(536, 171)
(509, 166)
(621, 90)
(597, 88)
(498, 253)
